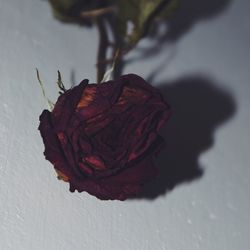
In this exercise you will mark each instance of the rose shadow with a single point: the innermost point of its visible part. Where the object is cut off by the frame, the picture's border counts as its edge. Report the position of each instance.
(198, 107)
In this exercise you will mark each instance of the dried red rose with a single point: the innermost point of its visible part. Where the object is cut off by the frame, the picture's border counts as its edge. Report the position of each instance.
(101, 138)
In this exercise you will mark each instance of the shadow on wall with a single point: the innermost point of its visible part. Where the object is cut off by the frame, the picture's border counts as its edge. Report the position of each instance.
(198, 107)
(182, 21)
(190, 12)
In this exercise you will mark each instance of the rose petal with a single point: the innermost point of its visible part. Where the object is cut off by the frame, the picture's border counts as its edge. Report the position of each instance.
(137, 81)
(95, 161)
(125, 184)
(66, 105)
(53, 151)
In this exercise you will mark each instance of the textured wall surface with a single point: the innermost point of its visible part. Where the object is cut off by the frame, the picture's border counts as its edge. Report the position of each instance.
(201, 199)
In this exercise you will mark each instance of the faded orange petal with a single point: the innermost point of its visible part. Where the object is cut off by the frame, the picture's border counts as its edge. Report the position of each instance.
(62, 176)
(95, 162)
(132, 94)
(87, 97)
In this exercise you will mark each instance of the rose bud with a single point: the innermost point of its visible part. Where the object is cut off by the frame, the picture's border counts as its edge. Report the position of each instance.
(101, 138)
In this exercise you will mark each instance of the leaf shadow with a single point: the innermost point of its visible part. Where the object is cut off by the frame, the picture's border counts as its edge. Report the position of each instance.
(198, 108)
(188, 14)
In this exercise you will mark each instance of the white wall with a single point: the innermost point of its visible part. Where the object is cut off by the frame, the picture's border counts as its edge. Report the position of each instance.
(205, 75)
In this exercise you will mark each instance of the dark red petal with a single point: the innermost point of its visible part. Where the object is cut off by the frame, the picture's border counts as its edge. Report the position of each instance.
(130, 181)
(65, 106)
(163, 119)
(53, 151)
(93, 102)
(97, 98)
(97, 123)
(121, 186)
(142, 145)
(95, 161)
(137, 81)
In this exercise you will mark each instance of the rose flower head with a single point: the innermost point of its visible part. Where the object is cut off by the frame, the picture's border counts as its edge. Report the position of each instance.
(101, 138)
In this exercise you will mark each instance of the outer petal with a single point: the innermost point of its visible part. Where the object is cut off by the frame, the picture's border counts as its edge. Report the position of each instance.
(135, 80)
(146, 132)
(66, 105)
(96, 99)
(53, 151)
(120, 186)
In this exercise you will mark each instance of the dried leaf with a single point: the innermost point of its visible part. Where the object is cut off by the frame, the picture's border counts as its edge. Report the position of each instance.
(140, 14)
(71, 10)
(135, 16)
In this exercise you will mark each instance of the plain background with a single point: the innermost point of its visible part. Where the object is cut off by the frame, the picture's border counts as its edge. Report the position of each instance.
(201, 199)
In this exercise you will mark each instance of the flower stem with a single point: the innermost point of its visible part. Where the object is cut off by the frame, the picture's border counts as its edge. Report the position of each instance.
(102, 48)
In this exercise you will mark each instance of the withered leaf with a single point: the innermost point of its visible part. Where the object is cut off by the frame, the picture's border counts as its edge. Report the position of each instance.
(71, 10)
(140, 14)
(134, 17)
